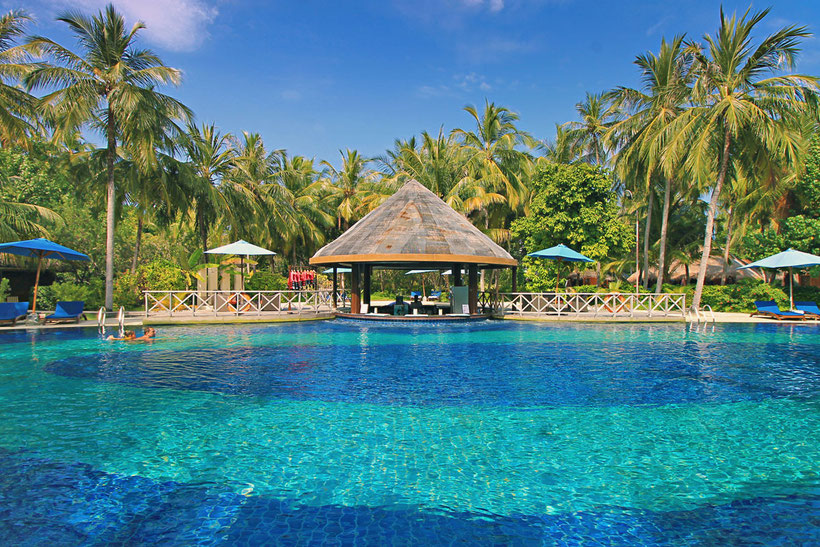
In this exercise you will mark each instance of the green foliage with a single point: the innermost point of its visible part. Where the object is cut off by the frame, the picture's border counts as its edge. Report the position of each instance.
(807, 294)
(798, 232)
(35, 177)
(574, 205)
(264, 280)
(807, 188)
(162, 275)
(5, 290)
(741, 296)
(128, 291)
(91, 293)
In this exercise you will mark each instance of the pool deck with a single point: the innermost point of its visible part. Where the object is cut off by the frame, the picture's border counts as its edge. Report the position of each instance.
(139, 321)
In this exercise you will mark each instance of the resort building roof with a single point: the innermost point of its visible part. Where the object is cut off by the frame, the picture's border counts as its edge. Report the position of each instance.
(413, 227)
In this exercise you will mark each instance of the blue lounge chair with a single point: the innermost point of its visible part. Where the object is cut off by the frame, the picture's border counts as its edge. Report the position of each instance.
(434, 295)
(66, 311)
(414, 294)
(808, 308)
(768, 308)
(13, 311)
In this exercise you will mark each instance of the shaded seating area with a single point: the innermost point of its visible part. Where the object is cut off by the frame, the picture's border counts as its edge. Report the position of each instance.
(67, 311)
(11, 312)
(414, 229)
(769, 308)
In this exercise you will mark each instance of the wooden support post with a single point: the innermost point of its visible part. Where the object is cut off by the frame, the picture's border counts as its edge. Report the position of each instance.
(335, 287)
(472, 290)
(368, 272)
(355, 300)
(456, 275)
(515, 279)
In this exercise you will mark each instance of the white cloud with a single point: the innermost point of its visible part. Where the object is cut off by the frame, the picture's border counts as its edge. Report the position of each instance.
(178, 25)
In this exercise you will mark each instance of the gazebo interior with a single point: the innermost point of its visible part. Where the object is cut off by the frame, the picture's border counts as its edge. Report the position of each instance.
(414, 229)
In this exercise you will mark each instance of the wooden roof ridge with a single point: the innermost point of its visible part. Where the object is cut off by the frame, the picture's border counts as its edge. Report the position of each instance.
(413, 225)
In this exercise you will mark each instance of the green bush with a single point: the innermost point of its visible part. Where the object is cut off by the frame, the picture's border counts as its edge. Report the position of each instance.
(264, 280)
(4, 289)
(162, 275)
(128, 290)
(91, 293)
(807, 294)
(741, 296)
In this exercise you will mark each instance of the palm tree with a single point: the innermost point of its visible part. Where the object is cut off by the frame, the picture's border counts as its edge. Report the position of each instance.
(743, 104)
(303, 194)
(560, 150)
(22, 220)
(587, 136)
(16, 106)
(497, 185)
(667, 77)
(350, 187)
(105, 86)
(210, 157)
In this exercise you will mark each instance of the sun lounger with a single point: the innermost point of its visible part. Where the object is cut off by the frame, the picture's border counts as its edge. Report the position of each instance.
(13, 311)
(810, 309)
(67, 311)
(434, 295)
(768, 308)
(414, 294)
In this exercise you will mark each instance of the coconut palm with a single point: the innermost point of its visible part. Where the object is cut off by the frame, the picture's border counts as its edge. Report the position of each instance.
(106, 85)
(667, 77)
(209, 157)
(303, 193)
(351, 186)
(588, 136)
(743, 103)
(16, 106)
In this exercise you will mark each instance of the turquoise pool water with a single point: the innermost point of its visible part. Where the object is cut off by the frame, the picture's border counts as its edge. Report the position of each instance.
(494, 432)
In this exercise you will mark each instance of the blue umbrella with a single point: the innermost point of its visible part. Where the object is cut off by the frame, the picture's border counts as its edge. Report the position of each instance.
(787, 259)
(561, 253)
(41, 248)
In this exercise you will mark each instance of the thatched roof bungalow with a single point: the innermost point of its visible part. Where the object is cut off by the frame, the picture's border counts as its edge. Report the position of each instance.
(413, 229)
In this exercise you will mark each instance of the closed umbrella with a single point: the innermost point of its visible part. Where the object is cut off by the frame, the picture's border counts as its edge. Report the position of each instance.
(787, 259)
(41, 248)
(561, 253)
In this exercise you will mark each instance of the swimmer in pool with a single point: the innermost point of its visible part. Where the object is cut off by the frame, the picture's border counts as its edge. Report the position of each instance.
(149, 334)
(127, 335)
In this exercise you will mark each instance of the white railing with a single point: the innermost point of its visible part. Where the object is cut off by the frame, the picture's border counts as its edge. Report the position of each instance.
(585, 304)
(170, 303)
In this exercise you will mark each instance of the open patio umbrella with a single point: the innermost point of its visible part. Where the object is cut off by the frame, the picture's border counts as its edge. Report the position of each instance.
(243, 249)
(561, 253)
(787, 259)
(41, 248)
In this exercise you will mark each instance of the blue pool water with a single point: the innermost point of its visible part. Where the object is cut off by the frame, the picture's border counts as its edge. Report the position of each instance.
(354, 433)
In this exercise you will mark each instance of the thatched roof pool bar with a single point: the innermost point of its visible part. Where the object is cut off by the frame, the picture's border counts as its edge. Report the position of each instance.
(413, 229)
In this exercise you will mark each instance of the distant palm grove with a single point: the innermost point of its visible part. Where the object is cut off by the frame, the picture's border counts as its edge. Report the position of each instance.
(716, 152)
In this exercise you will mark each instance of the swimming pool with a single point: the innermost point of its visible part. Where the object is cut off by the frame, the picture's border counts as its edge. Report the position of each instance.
(342, 432)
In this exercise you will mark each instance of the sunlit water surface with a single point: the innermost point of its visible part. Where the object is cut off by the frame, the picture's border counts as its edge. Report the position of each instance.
(347, 432)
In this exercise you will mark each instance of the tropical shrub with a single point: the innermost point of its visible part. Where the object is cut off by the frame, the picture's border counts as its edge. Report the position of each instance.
(5, 290)
(265, 280)
(161, 275)
(128, 290)
(91, 293)
(741, 296)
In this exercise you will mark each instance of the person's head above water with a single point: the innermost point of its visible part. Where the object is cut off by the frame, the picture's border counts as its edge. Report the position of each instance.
(150, 332)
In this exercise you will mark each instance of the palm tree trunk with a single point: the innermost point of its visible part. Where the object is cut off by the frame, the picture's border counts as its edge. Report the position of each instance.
(137, 245)
(667, 197)
(646, 239)
(727, 246)
(110, 211)
(710, 220)
(202, 225)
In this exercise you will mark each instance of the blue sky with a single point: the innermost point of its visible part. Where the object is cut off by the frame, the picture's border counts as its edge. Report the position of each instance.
(315, 77)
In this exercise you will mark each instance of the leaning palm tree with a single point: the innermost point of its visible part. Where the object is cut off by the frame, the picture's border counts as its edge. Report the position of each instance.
(103, 86)
(744, 104)
(16, 106)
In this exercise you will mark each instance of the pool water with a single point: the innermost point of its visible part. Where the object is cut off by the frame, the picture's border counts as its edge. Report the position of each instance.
(345, 432)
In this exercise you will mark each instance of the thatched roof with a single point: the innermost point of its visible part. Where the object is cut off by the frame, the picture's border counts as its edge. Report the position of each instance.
(413, 226)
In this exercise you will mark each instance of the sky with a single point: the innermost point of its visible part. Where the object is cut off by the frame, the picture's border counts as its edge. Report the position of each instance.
(319, 77)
